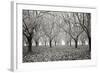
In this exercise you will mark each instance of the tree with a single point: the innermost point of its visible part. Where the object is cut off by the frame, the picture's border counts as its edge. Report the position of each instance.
(85, 22)
(30, 19)
(57, 39)
(49, 27)
(71, 27)
(63, 23)
(37, 34)
(28, 28)
(75, 33)
(24, 41)
(45, 40)
(75, 29)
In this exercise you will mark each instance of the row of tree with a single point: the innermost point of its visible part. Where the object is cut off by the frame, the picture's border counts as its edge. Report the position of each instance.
(53, 25)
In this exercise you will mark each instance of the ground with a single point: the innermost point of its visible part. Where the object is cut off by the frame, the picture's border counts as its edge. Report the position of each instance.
(59, 53)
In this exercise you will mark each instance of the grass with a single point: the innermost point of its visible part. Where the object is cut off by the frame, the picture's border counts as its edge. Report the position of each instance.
(59, 53)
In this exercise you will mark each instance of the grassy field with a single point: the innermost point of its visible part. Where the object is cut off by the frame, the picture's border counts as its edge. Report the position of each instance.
(59, 53)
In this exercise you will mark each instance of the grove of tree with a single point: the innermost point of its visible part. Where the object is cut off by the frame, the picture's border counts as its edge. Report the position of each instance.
(51, 27)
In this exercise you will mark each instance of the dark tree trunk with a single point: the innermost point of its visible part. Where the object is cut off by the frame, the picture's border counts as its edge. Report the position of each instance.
(70, 42)
(76, 43)
(29, 45)
(37, 43)
(89, 38)
(50, 42)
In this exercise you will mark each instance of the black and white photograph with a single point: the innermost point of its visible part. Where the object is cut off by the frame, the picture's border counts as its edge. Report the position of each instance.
(55, 36)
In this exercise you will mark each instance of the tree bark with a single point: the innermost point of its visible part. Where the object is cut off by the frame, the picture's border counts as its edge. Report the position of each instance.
(76, 43)
(70, 42)
(89, 38)
(29, 44)
(37, 43)
(50, 43)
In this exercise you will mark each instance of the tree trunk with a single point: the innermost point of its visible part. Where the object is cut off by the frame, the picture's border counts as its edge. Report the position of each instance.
(82, 43)
(89, 38)
(76, 43)
(29, 45)
(50, 42)
(37, 43)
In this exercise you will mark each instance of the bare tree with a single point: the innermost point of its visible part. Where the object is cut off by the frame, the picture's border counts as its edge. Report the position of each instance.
(30, 19)
(57, 38)
(75, 33)
(75, 30)
(45, 40)
(71, 27)
(50, 28)
(85, 22)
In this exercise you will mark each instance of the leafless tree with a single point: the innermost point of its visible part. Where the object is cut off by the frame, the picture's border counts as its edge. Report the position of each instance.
(85, 22)
(50, 28)
(71, 27)
(30, 19)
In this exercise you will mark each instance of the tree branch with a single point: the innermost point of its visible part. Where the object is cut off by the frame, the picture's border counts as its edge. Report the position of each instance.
(82, 25)
(26, 27)
(25, 34)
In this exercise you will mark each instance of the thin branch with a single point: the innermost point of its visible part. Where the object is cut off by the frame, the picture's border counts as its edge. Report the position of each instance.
(25, 34)
(42, 14)
(26, 26)
(83, 27)
(80, 33)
